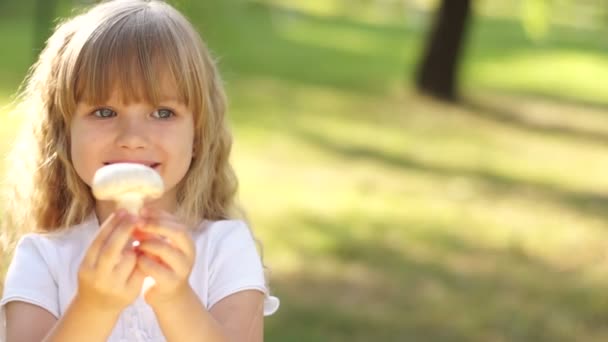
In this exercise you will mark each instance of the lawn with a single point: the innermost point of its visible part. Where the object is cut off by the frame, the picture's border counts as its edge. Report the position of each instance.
(387, 216)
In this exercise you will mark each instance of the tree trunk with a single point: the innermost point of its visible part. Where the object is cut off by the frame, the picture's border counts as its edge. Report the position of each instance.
(438, 72)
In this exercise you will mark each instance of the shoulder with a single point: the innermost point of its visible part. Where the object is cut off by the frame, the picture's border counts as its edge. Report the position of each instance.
(223, 232)
(217, 240)
(225, 229)
(48, 244)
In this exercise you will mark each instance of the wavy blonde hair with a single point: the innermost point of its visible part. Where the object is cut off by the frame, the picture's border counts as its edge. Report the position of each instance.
(131, 45)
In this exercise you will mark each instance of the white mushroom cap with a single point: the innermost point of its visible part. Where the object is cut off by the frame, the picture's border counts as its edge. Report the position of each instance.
(128, 184)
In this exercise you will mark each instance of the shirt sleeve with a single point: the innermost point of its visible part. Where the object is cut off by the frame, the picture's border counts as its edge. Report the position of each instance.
(235, 265)
(29, 279)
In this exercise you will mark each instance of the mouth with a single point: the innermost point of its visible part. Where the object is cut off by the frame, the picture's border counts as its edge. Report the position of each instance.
(153, 165)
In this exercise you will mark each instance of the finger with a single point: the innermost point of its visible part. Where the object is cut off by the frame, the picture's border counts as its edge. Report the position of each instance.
(115, 244)
(140, 235)
(149, 214)
(104, 231)
(125, 266)
(174, 231)
(151, 268)
(135, 282)
(136, 279)
(156, 214)
(172, 257)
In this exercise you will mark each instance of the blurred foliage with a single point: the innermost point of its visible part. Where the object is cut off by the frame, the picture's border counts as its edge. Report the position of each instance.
(535, 17)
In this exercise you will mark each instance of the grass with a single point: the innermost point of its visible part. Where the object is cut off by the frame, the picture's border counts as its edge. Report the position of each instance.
(386, 216)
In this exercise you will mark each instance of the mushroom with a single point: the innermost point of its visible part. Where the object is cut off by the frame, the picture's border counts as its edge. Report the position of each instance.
(128, 184)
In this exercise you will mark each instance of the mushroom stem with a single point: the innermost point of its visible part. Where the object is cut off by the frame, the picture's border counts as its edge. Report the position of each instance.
(132, 202)
(149, 282)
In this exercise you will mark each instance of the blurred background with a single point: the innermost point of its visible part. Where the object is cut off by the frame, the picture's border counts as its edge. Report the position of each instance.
(416, 170)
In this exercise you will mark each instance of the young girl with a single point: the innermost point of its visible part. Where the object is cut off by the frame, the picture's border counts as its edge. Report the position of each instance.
(128, 81)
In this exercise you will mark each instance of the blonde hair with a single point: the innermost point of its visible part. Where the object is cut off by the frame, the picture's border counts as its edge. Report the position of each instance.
(133, 45)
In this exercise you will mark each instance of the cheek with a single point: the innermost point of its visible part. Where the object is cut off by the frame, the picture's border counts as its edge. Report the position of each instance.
(82, 152)
(80, 165)
(75, 150)
(184, 160)
(185, 155)
(185, 143)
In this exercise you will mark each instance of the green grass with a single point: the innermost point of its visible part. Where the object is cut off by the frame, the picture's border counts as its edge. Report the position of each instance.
(386, 216)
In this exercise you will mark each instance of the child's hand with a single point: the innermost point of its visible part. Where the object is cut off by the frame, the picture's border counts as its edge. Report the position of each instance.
(168, 259)
(108, 278)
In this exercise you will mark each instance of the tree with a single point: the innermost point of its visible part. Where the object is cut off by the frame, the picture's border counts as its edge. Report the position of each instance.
(45, 12)
(43, 19)
(437, 72)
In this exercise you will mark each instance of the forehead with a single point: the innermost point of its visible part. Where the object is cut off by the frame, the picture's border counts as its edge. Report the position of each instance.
(145, 57)
(134, 63)
(126, 83)
(138, 92)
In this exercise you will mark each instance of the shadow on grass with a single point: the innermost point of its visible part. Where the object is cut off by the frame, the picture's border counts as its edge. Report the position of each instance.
(497, 184)
(508, 116)
(427, 286)
(552, 98)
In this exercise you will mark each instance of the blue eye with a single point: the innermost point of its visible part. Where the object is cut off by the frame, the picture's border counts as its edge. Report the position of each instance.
(163, 114)
(104, 113)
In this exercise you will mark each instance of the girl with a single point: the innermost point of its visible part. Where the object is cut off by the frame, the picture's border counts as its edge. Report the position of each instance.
(128, 81)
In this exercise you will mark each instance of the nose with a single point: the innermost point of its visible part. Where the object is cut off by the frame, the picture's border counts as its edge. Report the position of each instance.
(131, 134)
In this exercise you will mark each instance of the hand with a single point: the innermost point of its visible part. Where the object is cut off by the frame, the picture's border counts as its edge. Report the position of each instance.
(167, 258)
(108, 278)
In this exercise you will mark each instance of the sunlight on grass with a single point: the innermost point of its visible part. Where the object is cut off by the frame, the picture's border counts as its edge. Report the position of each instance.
(586, 75)
(446, 177)
(317, 7)
(371, 12)
(348, 39)
(484, 221)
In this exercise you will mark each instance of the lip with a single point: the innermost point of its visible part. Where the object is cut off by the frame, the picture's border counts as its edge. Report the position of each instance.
(148, 163)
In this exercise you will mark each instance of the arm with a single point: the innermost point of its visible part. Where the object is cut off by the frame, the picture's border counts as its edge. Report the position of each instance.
(29, 322)
(180, 313)
(107, 282)
(241, 316)
(238, 317)
(82, 322)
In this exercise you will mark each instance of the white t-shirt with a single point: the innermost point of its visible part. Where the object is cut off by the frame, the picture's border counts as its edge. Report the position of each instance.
(44, 272)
